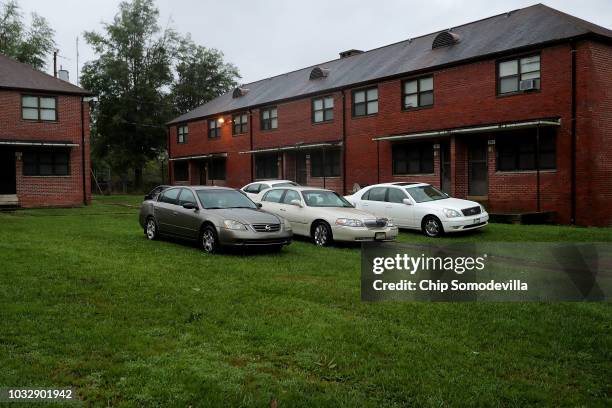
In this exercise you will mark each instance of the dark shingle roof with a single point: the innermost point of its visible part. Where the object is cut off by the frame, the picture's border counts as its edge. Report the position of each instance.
(517, 29)
(16, 75)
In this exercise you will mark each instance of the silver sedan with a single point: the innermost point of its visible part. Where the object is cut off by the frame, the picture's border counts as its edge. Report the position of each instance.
(215, 217)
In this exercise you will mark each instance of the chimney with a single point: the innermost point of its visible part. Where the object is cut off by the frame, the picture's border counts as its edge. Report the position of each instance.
(63, 75)
(350, 53)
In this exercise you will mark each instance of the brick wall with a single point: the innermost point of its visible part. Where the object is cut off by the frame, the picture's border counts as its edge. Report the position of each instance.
(49, 190)
(463, 96)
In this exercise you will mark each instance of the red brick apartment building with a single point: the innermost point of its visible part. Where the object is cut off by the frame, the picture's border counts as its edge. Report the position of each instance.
(44, 139)
(514, 110)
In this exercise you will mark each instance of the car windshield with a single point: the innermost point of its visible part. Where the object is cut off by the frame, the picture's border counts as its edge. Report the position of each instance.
(320, 198)
(422, 194)
(285, 184)
(219, 199)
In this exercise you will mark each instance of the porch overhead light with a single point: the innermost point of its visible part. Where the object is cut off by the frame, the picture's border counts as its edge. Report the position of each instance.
(221, 120)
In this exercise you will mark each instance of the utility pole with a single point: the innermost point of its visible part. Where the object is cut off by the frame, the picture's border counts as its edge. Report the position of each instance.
(77, 61)
(55, 63)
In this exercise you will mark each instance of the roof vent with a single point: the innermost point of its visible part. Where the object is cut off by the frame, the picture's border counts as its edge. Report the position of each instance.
(318, 73)
(444, 39)
(350, 53)
(238, 92)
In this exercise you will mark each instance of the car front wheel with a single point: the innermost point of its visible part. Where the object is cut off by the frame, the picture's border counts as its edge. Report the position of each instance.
(151, 229)
(209, 242)
(432, 227)
(322, 234)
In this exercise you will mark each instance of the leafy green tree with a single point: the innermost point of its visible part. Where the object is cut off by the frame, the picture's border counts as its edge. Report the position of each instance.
(201, 75)
(31, 45)
(133, 69)
(143, 76)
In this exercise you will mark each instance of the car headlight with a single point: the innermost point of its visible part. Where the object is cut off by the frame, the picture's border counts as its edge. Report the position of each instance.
(287, 224)
(234, 225)
(482, 209)
(390, 223)
(349, 222)
(450, 213)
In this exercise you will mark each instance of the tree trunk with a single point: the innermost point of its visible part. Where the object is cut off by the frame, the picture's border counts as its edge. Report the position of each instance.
(138, 179)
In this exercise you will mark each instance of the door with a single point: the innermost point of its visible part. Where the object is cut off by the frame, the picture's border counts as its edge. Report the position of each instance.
(301, 176)
(187, 221)
(373, 201)
(8, 183)
(166, 211)
(445, 173)
(397, 211)
(477, 169)
(296, 215)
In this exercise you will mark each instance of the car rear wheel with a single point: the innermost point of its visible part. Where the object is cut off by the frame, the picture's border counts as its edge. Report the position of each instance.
(209, 242)
(151, 229)
(432, 227)
(322, 234)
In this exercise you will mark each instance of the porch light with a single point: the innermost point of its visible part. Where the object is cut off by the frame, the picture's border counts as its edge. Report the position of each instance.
(221, 120)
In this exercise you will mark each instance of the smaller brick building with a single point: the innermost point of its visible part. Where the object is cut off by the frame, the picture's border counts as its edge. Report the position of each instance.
(44, 139)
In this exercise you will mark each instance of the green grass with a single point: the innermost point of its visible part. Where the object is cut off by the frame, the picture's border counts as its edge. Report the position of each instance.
(87, 301)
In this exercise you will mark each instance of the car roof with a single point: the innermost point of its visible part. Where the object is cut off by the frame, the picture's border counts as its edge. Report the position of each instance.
(299, 188)
(400, 184)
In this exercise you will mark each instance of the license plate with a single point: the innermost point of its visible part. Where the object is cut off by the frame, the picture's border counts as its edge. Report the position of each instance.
(476, 220)
(380, 235)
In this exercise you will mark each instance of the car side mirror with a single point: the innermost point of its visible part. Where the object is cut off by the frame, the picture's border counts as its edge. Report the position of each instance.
(297, 203)
(407, 201)
(190, 206)
(259, 205)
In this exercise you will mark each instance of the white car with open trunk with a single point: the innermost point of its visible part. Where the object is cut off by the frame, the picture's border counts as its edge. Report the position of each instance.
(420, 206)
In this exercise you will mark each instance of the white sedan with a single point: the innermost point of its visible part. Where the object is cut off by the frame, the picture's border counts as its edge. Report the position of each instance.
(420, 206)
(255, 190)
(326, 216)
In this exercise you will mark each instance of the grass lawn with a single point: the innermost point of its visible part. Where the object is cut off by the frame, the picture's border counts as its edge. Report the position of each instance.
(87, 301)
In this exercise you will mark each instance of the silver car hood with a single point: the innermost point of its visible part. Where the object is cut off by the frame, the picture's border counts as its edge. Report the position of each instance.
(247, 215)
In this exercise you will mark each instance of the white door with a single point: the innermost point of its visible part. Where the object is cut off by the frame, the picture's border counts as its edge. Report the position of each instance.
(297, 215)
(373, 201)
(271, 201)
(401, 214)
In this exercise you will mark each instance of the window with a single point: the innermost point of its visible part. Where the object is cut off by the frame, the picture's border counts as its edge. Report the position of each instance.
(216, 169)
(266, 166)
(273, 196)
(365, 102)
(413, 158)
(291, 195)
(418, 92)
(395, 195)
(170, 196)
(240, 124)
(269, 118)
(519, 152)
(375, 194)
(187, 197)
(181, 171)
(46, 163)
(214, 128)
(39, 108)
(511, 73)
(181, 134)
(322, 109)
(252, 188)
(325, 163)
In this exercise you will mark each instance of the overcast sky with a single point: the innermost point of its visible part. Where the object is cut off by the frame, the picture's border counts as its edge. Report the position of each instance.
(268, 37)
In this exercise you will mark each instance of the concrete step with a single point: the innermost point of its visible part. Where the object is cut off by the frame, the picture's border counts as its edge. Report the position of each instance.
(9, 200)
(542, 217)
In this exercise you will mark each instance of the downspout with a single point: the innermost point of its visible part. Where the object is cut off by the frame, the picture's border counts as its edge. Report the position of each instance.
(83, 152)
(251, 142)
(378, 162)
(573, 136)
(170, 165)
(538, 167)
(343, 142)
(324, 167)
